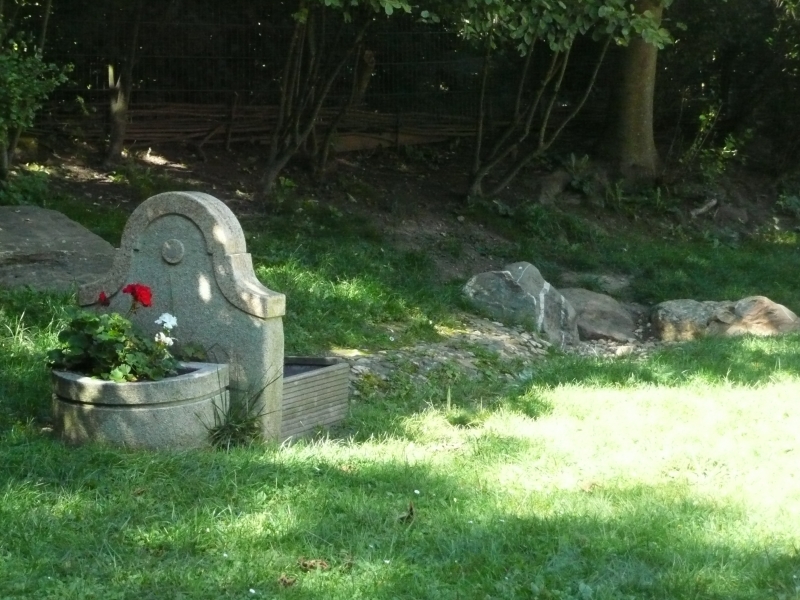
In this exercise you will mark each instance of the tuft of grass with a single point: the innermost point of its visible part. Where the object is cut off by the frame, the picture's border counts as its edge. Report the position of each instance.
(29, 325)
(105, 220)
(25, 187)
(145, 182)
(237, 423)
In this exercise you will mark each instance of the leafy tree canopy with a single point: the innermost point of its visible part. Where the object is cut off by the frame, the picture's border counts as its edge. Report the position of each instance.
(557, 22)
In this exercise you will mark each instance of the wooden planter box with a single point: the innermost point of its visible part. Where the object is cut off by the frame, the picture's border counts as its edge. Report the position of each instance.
(315, 394)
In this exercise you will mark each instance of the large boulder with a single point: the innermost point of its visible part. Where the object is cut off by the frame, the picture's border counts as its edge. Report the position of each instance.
(519, 294)
(681, 320)
(600, 317)
(757, 315)
(677, 320)
(45, 250)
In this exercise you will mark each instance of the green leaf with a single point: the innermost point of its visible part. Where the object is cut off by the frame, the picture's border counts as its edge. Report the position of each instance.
(120, 374)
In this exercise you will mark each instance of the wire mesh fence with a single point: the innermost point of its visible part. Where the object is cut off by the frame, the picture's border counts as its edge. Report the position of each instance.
(214, 72)
(233, 59)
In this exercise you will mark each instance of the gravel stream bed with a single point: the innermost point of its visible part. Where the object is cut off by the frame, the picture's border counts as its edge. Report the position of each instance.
(478, 338)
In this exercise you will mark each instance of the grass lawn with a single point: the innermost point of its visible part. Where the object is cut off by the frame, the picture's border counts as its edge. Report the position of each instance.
(671, 477)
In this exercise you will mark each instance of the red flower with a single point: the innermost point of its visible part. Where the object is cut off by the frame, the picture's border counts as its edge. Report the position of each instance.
(140, 293)
(103, 300)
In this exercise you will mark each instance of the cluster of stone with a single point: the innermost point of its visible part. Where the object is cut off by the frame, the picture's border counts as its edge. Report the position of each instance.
(519, 295)
(464, 348)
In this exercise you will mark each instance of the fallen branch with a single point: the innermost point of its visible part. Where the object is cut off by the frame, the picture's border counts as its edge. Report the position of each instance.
(703, 209)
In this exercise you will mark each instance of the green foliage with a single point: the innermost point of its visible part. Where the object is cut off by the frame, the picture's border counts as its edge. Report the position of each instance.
(789, 204)
(788, 201)
(107, 346)
(556, 226)
(346, 6)
(712, 159)
(743, 69)
(634, 200)
(25, 81)
(29, 187)
(521, 22)
(146, 181)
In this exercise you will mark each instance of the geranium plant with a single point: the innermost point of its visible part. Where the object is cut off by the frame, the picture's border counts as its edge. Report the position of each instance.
(108, 346)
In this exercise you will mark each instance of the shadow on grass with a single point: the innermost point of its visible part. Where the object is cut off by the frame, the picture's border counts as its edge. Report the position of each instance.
(24, 376)
(112, 523)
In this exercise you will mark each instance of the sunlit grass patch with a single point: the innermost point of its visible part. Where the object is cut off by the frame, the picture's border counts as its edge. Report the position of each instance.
(328, 307)
(745, 360)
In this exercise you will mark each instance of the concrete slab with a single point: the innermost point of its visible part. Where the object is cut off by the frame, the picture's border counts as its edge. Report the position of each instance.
(46, 250)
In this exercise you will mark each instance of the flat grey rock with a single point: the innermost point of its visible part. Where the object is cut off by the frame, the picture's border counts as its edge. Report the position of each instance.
(600, 316)
(45, 250)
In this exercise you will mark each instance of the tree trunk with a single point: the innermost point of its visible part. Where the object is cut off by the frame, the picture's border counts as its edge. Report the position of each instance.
(303, 93)
(3, 162)
(633, 148)
(120, 89)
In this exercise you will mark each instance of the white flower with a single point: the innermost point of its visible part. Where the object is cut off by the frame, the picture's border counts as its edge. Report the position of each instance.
(167, 321)
(163, 339)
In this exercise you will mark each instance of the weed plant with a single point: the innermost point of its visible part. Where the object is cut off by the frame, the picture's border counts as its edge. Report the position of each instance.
(30, 187)
(145, 182)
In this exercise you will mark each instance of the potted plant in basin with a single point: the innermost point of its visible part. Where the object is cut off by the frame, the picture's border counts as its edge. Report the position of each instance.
(113, 385)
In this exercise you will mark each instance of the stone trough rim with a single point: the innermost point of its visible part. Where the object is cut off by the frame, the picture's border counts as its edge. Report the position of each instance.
(184, 388)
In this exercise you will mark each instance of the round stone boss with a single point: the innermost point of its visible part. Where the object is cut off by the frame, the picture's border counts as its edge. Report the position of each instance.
(172, 251)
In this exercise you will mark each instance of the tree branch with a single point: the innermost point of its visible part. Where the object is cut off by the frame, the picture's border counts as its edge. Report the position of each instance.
(556, 89)
(476, 162)
(523, 79)
(585, 97)
(48, 8)
(544, 145)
